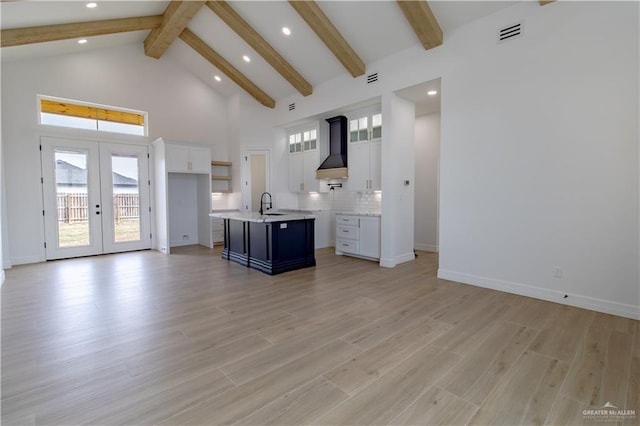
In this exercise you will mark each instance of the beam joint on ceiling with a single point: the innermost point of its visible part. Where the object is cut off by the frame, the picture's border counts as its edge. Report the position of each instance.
(329, 34)
(174, 20)
(225, 67)
(424, 23)
(230, 17)
(544, 2)
(45, 33)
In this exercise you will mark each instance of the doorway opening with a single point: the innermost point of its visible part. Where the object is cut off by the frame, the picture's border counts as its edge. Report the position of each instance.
(256, 178)
(426, 97)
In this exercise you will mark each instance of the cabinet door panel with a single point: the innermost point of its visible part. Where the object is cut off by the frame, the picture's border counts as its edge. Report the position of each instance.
(358, 166)
(295, 172)
(375, 157)
(370, 237)
(177, 158)
(200, 160)
(310, 162)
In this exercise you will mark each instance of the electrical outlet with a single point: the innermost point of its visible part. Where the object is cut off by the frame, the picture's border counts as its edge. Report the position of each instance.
(185, 237)
(557, 272)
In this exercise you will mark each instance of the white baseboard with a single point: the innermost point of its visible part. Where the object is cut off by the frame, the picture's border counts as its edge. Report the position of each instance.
(599, 305)
(391, 263)
(27, 259)
(407, 257)
(388, 263)
(2, 277)
(427, 247)
(181, 243)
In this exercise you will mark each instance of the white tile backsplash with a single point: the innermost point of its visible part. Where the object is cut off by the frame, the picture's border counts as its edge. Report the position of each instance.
(339, 200)
(231, 201)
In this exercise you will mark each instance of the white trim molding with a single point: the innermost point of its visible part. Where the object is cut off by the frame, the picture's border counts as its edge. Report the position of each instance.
(391, 263)
(427, 247)
(2, 277)
(577, 300)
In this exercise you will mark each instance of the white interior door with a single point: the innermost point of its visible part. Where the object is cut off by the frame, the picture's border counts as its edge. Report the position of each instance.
(96, 197)
(255, 178)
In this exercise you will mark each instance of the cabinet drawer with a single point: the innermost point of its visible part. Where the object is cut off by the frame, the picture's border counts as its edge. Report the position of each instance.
(346, 232)
(347, 220)
(347, 246)
(218, 225)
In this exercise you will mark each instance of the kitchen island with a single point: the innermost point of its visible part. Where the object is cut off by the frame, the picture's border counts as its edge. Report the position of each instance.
(271, 243)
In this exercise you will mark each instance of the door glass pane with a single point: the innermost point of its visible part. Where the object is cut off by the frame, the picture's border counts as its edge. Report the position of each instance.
(126, 198)
(71, 195)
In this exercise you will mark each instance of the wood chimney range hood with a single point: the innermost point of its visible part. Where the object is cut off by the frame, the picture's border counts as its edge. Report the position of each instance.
(335, 165)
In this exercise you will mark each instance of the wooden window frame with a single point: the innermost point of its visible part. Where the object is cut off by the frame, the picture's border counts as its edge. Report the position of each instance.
(79, 109)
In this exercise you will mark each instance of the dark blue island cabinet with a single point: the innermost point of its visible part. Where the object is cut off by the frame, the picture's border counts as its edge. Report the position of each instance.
(272, 247)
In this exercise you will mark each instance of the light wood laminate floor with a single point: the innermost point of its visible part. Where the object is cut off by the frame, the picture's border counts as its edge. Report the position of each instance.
(145, 338)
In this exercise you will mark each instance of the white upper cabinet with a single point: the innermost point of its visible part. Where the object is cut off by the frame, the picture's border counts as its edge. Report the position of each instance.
(187, 158)
(304, 159)
(365, 138)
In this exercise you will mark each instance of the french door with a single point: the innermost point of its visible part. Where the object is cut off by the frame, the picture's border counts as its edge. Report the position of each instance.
(96, 197)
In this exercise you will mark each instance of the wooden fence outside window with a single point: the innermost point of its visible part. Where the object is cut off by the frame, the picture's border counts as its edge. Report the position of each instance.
(74, 207)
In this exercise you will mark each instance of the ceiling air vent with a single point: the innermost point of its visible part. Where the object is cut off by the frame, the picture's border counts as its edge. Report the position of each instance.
(292, 106)
(510, 32)
(372, 78)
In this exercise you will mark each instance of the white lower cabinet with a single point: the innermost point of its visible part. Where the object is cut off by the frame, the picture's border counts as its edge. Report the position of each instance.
(358, 236)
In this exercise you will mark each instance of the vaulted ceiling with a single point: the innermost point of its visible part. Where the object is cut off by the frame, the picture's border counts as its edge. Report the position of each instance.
(328, 38)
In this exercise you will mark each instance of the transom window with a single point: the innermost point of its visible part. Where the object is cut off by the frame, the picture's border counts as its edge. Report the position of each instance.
(365, 128)
(80, 115)
(304, 140)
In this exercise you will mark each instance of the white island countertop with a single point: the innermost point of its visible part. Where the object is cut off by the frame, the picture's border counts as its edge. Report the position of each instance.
(257, 217)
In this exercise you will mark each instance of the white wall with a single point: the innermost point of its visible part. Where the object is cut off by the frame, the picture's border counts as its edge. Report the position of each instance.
(3, 210)
(398, 180)
(539, 164)
(180, 107)
(427, 158)
(183, 212)
(253, 128)
(539, 161)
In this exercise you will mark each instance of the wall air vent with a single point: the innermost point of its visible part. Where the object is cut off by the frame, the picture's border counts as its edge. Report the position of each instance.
(372, 78)
(510, 32)
(292, 106)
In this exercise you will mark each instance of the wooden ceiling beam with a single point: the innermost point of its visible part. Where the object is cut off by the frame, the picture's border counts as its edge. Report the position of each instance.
(224, 66)
(260, 45)
(423, 22)
(174, 20)
(543, 2)
(45, 33)
(329, 34)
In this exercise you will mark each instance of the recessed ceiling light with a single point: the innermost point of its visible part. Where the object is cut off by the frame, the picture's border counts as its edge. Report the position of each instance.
(92, 5)
(286, 31)
(217, 78)
(246, 58)
(82, 41)
(432, 93)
